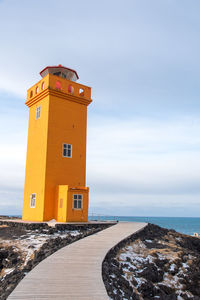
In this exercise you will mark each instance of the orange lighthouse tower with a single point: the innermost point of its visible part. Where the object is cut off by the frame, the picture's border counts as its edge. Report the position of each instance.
(56, 151)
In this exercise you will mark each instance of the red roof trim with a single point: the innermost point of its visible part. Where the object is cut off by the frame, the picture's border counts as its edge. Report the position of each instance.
(60, 66)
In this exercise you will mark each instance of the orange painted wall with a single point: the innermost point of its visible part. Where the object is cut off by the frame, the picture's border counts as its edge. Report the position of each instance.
(67, 124)
(63, 120)
(65, 210)
(36, 162)
(74, 215)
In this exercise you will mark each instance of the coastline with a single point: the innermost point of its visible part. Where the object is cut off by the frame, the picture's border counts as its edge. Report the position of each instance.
(143, 266)
(185, 225)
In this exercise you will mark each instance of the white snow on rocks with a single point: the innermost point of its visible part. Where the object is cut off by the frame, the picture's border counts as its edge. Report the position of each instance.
(134, 258)
(27, 245)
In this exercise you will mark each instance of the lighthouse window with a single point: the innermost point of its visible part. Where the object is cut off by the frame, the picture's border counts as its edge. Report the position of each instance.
(57, 73)
(77, 201)
(33, 199)
(38, 109)
(67, 150)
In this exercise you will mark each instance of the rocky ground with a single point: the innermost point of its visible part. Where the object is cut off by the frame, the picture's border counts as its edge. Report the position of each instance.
(155, 263)
(23, 246)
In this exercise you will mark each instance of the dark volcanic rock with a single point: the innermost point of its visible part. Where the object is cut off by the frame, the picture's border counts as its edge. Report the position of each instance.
(172, 254)
(166, 289)
(151, 273)
(9, 258)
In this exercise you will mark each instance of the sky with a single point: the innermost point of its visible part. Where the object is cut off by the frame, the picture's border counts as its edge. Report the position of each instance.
(141, 59)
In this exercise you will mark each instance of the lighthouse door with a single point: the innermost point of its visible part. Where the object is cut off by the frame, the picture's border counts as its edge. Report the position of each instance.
(60, 216)
(61, 203)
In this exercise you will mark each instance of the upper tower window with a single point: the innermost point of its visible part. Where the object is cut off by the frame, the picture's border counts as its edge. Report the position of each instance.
(60, 74)
(70, 89)
(38, 109)
(60, 71)
(57, 73)
(67, 150)
(58, 85)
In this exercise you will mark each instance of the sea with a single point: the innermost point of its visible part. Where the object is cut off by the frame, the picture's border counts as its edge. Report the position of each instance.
(181, 224)
(186, 225)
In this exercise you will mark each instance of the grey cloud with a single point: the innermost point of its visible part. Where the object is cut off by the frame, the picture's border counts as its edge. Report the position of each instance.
(11, 201)
(172, 186)
(144, 210)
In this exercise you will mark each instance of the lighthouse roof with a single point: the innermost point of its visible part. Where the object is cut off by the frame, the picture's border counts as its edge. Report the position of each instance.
(60, 71)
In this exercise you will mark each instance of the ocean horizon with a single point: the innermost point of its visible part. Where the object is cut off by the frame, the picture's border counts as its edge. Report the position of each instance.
(186, 225)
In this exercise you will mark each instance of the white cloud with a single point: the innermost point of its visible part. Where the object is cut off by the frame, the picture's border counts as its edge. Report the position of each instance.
(144, 205)
(142, 61)
(143, 162)
(130, 164)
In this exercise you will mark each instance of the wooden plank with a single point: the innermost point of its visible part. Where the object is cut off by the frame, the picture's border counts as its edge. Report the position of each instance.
(74, 272)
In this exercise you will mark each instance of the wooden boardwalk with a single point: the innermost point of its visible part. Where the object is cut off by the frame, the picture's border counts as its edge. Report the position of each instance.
(74, 272)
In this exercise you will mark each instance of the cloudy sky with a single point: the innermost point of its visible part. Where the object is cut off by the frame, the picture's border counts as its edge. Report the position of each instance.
(141, 59)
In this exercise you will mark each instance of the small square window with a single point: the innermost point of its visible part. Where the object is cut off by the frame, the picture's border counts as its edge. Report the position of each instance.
(67, 150)
(38, 109)
(77, 201)
(33, 200)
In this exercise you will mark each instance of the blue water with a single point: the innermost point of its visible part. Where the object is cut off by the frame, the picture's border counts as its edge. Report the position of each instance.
(183, 225)
(180, 224)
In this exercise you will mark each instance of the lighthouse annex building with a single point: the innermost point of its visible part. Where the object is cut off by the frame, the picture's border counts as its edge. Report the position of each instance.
(56, 150)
